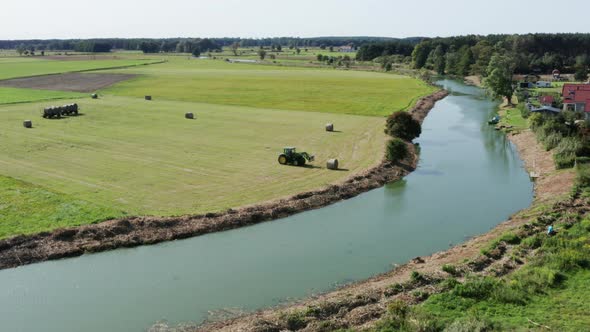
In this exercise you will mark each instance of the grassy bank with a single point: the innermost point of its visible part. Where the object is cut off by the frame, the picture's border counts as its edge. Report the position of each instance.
(28, 209)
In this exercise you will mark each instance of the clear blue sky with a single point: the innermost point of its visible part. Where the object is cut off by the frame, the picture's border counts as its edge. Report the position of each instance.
(43, 19)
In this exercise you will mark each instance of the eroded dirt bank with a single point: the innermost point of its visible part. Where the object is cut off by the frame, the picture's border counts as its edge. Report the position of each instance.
(136, 231)
(361, 304)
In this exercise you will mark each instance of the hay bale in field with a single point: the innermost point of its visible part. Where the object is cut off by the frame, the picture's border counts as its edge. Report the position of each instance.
(332, 164)
(330, 127)
(51, 112)
(28, 124)
(148, 97)
(189, 116)
(94, 96)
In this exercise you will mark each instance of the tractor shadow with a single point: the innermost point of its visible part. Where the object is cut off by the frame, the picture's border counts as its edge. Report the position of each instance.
(336, 131)
(341, 169)
(308, 166)
(63, 117)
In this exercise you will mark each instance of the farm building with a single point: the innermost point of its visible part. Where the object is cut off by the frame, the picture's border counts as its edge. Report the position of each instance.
(346, 49)
(547, 100)
(546, 110)
(576, 97)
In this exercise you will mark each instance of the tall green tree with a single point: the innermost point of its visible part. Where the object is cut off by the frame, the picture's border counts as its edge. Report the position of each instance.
(420, 54)
(464, 66)
(262, 54)
(439, 60)
(582, 62)
(499, 76)
(234, 48)
(482, 53)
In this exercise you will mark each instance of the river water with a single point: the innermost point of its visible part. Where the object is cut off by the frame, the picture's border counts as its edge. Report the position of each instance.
(469, 179)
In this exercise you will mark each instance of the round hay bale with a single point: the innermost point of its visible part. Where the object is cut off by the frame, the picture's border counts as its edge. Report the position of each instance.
(28, 124)
(148, 97)
(332, 164)
(330, 127)
(94, 96)
(189, 116)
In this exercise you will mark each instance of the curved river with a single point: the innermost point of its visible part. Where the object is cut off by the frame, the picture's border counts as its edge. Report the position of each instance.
(469, 179)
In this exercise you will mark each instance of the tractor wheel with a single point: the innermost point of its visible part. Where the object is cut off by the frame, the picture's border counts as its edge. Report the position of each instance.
(283, 159)
(301, 161)
(295, 162)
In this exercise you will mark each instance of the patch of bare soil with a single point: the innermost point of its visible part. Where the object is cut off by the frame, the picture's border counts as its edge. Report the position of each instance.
(79, 57)
(472, 80)
(361, 304)
(76, 82)
(136, 231)
(550, 183)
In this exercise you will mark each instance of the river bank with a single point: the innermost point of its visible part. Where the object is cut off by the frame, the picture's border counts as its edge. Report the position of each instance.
(137, 231)
(361, 304)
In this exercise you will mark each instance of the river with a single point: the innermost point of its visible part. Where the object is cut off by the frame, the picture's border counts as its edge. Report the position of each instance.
(470, 178)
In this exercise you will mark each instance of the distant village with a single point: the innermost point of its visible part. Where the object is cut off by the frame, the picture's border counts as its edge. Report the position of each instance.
(572, 96)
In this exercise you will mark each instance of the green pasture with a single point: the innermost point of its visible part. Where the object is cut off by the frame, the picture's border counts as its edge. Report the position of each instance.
(127, 156)
(15, 95)
(313, 90)
(145, 158)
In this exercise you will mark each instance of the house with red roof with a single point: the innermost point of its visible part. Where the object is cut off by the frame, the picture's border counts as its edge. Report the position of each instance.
(547, 100)
(576, 97)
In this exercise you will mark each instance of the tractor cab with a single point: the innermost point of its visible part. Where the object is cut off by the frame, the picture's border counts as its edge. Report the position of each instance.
(289, 151)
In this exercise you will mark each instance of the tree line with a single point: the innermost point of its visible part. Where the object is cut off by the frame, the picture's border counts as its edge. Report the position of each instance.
(186, 45)
(538, 53)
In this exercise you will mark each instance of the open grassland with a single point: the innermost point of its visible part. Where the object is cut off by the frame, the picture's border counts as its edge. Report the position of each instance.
(27, 209)
(14, 95)
(218, 82)
(145, 158)
(12, 67)
(127, 156)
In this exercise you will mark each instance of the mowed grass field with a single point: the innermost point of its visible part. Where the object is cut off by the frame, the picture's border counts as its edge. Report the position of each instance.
(146, 158)
(265, 86)
(15, 95)
(127, 156)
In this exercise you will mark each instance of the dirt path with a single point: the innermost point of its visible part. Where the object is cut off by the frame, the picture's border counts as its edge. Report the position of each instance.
(136, 231)
(362, 303)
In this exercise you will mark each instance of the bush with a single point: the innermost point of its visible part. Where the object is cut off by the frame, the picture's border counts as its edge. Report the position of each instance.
(403, 125)
(396, 150)
(536, 121)
(536, 280)
(550, 140)
(450, 269)
(479, 288)
(510, 238)
(564, 160)
(533, 242)
(569, 145)
(582, 175)
(417, 277)
(295, 321)
(471, 325)
(524, 111)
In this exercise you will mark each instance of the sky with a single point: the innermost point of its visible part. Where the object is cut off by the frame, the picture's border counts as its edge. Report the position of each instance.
(46, 19)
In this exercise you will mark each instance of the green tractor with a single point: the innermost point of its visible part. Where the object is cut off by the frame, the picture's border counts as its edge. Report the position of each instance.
(292, 157)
